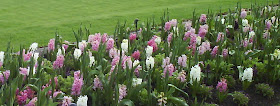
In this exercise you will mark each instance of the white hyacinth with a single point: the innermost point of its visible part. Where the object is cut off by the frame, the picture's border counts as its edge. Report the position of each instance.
(150, 62)
(158, 40)
(91, 61)
(77, 53)
(124, 45)
(82, 101)
(195, 74)
(276, 54)
(198, 40)
(245, 22)
(33, 47)
(136, 81)
(59, 52)
(35, 56)
(223, 21)
(149, 51)
(251, 34)
(136, 62)
(2, 56)
(247, 75)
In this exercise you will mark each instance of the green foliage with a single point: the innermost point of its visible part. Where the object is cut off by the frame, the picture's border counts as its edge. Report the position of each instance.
(265, 90)
(240, 98)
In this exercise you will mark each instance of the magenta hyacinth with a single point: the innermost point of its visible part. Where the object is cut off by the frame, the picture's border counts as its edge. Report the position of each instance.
(167, 26)
(97, 84)
(136, 55)
(152, 43)
(27, 56)
(189, 33)
(243, 14)
(182, 61)
(21, 98)
(214, 51)
(58, 63)
(122, 91)
(170, 68)
(78, 83)
(222, 85)
(110, 44)
(95, 45)
(4, 76)
(203, 18)
(132, 36)
(51, 45)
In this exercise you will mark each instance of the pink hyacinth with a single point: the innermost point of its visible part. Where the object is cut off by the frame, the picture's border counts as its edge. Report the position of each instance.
(132, 36)
(203, 30)
(58, 63)
(122, 91)
(32, 102)
(222, 85)
(113, 53)
(51, 45)
(104, 38)
(136, 55)
(182, 76)
(220, 36)
(188, 25)
(152, 43)
(245, 42)
(173, 22)
(24, 71)
(97, 84)
(243, 14)
(192, 44)
(110, 44)
(96, 37)
(66, 45)
(27, 56)
(78, 83)
(203, 18)
(214, 51)
(126, 60)
(67, 101)
(169, 38)
(167, 26)
(115, 60)
(205, 46)
(4, 76)
(21, 98)
(225, 52)
(165, 62)
(136, 71)
(95, 45)
(268, 24)
(189, 33)
(182, 61)
(170, 68)
(30, 93)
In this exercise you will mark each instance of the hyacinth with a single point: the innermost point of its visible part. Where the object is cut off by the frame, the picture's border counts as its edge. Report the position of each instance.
(246, 29)
(222, 85)
(82, 101)
(225, 52)
(170, 68)
(268, 24)
(165, 62)
(182, 76)
(245, 22)
(189, 33)
(139, 67)
(266, 34)
(91, 61)
(157, 39)
(220, 36)
(110, 44)
(56, 93)
(32, 102)
(33, 47)
(114, 52)
(97, 84)
(35, 56)
(66, 45)
(104, 38)
(162, 101)
(24, 71)
(132, 36)
(122, 91)
(82, 45)
(21, 98)
(4, 76)
(182, 60)
(136, 55)
(173, 22)
(167, 26)
(247, 75)
(58, 63)
(203, 30)
(51, 45)
(67, 100)
(95, 45)
(30, 93)
(244, 42)
(150, 62)
(124, 45)
(2, 57)
(205, 46)
(243, 14)
(203, 18)
(136, 81)
(78, 83)
(276, 54)
(195, 74)
(77, 53)
(198, 40)
(192, 44)
(95, 37)
(27, 56)
(153, 44)
(188, 25)
(169, 38)
(115, 60)
(215, 51)
(149, 51)
(126, 60)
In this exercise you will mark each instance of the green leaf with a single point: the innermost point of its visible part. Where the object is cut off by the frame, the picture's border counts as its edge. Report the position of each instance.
(186, 94)
(177, 101)
(126, 102)
(33, 87)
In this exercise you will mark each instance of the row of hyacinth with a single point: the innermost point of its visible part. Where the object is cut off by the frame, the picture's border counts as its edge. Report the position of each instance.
(154, 65)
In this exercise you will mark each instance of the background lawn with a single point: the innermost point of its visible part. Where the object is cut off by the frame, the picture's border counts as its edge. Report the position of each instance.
(27, 21)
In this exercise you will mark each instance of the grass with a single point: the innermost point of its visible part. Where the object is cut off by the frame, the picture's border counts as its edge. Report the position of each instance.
(28, 21)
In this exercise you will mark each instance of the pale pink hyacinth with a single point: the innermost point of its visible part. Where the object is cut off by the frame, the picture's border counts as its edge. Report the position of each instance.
(243, 14)
(225, 53)
(173, 22)
(202, 18)
(222, 85)
(182, 76)
(58, 63)
(189, 33)
(82, 45)
(32, 102)
(126, 60)
(246, 29)
(97, 84)
(132, 36)
(78, 83)
(122, 91)
(115, 60)
(136, 55)
(215, 51)
(51, 45)
(95, 45)
(266, 34)
(192, 44)
(67, 100)
(268, 24)
(169, 38)
(165, 62)
(220, 36)
(95, 37)
(205, 46)
(110, 44)
(104, 38)
(182, 61)
(24, 71)
(188, 25)
(170, 68)
(4, 76)
(113, 53)
(167, 26)
(27, 56)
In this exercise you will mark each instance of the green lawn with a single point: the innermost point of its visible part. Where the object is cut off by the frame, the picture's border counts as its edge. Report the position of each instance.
(27, 21)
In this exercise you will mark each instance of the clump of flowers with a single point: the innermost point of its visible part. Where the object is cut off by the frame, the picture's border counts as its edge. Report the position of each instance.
(222, 90)
(246, 77)
(67, 100)
(4, 76)
(182, 61)
(58, 63)
(124, 45)
(122, 91)
(182, 76)
(78, 83)
(82, 101)
(162, 100)
(97, 84)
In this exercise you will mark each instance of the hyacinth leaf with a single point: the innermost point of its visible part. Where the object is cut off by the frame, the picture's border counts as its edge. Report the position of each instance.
(135, 91)
(186, 94)
(255, 53)
(33, 87)
(126, 102)
(177, 101)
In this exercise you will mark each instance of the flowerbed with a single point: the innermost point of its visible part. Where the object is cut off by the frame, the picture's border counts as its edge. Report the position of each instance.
(211, 59)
